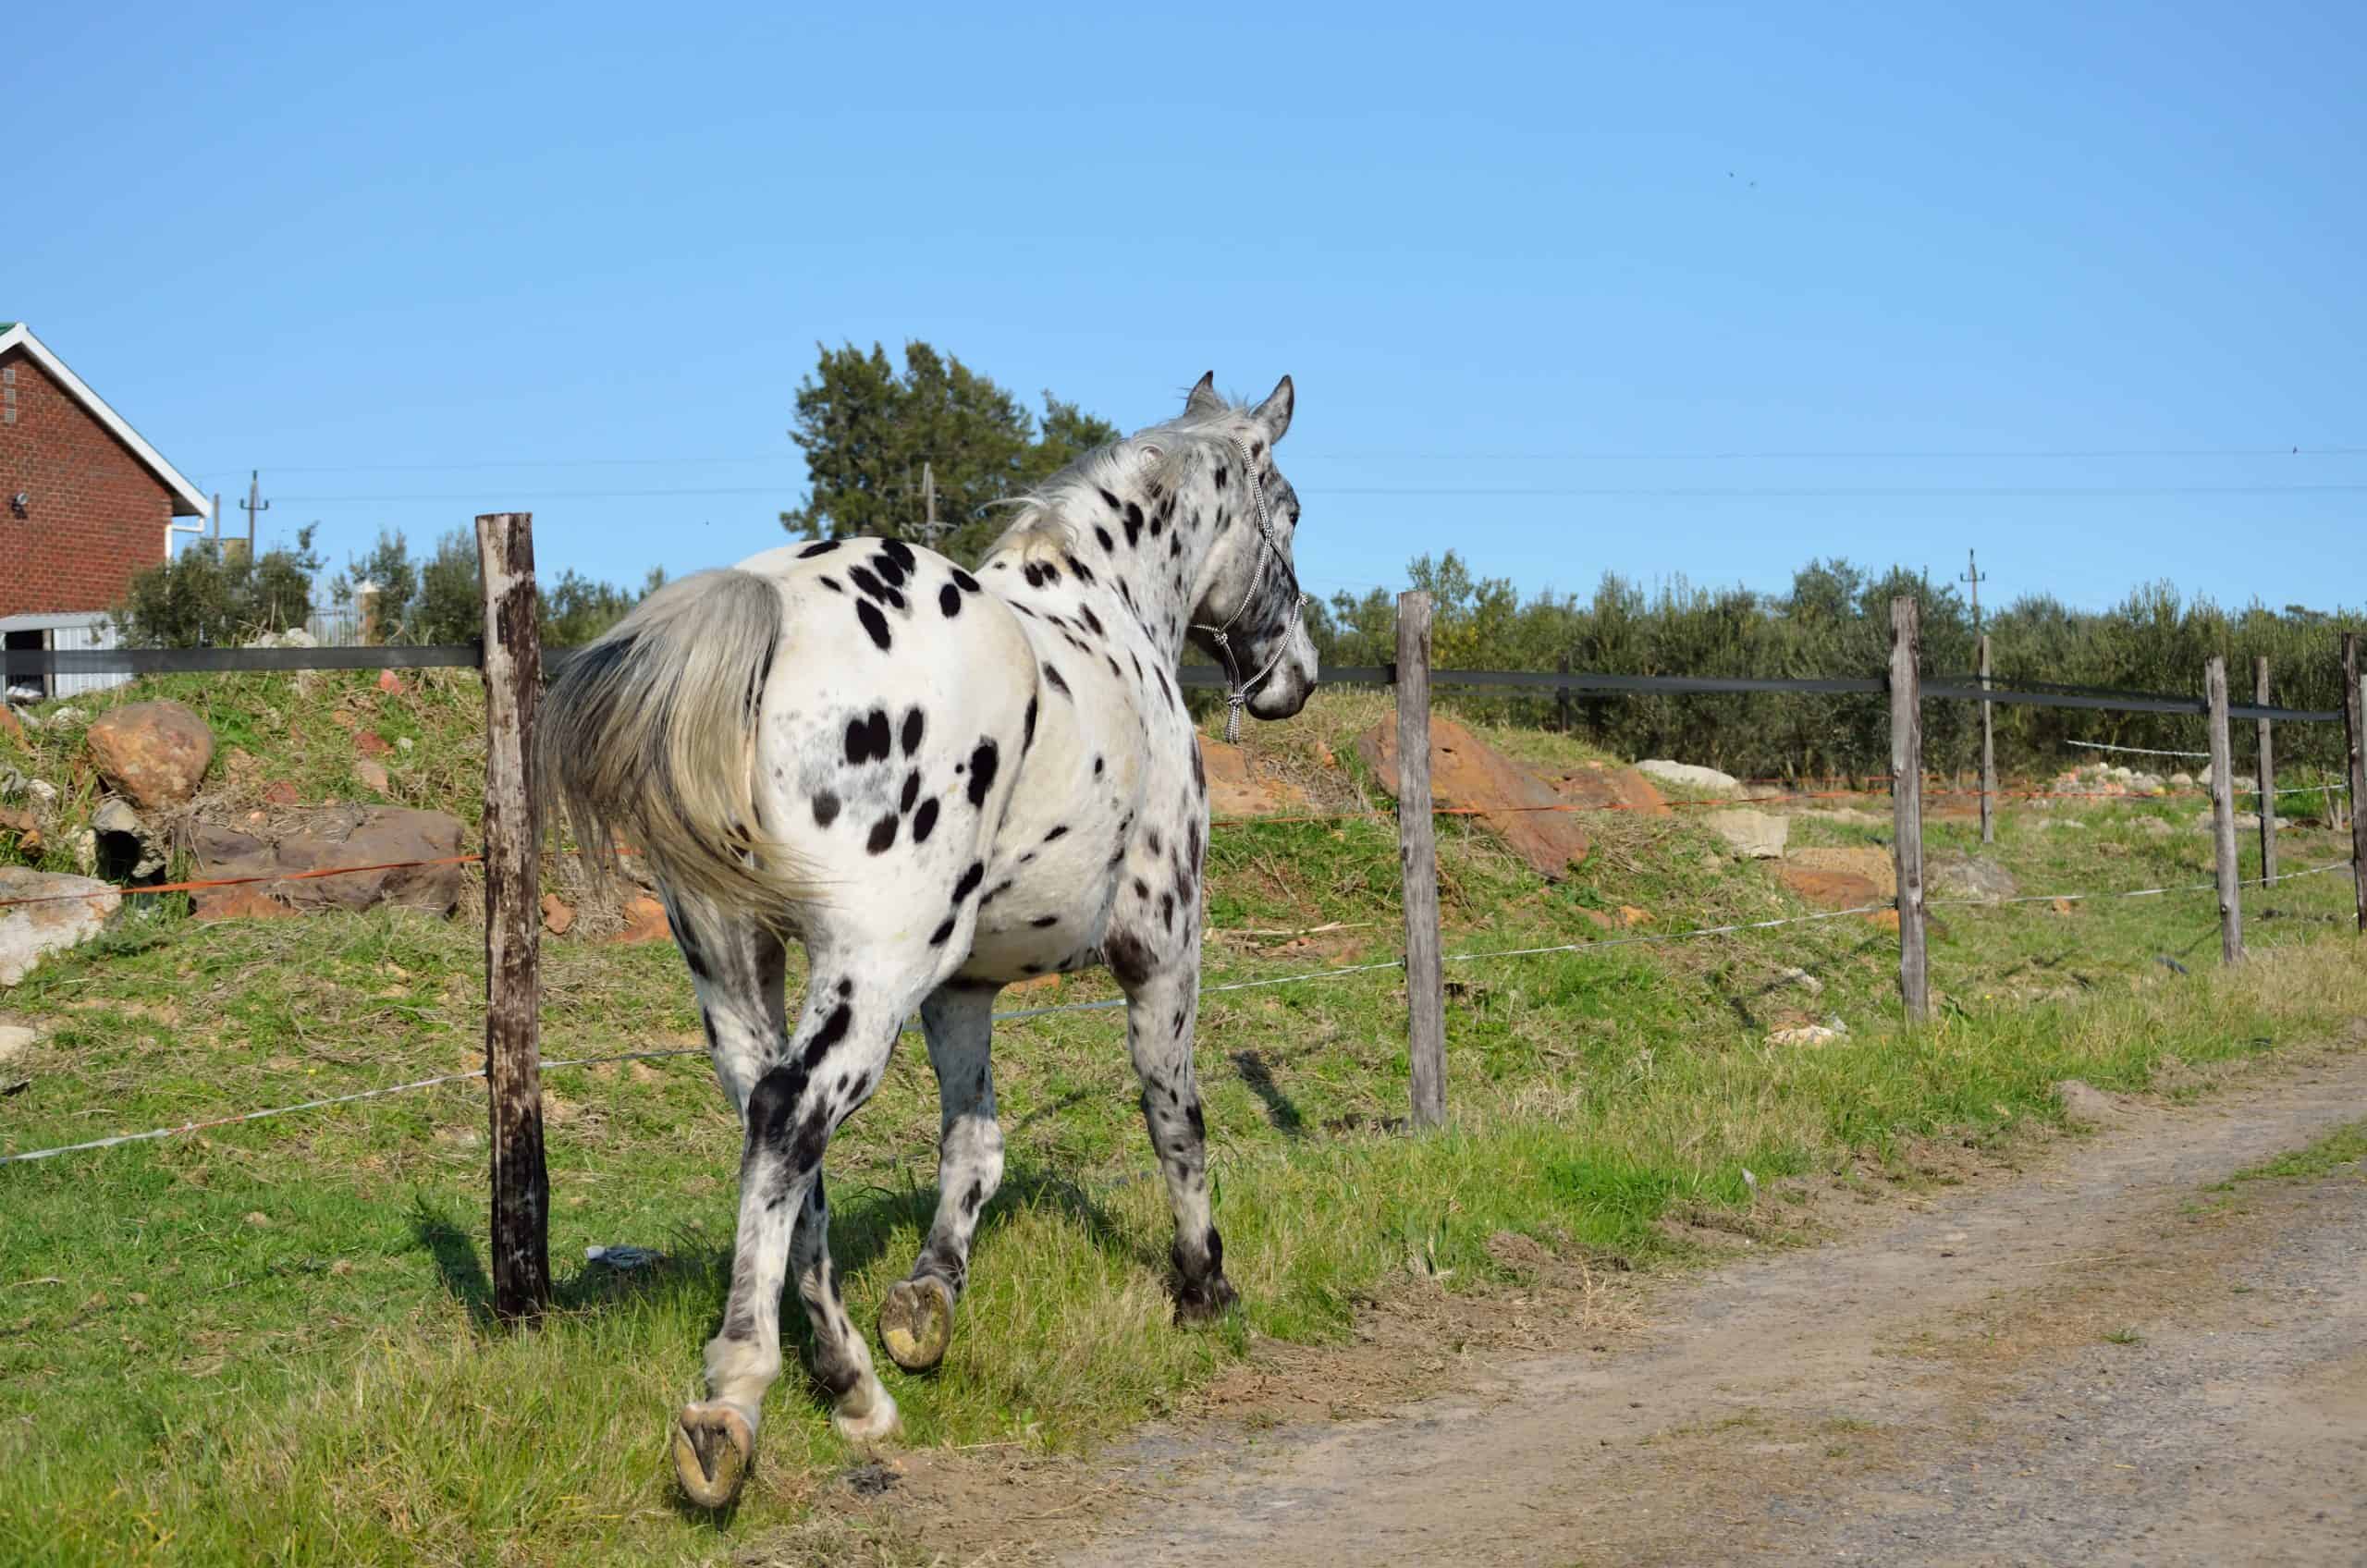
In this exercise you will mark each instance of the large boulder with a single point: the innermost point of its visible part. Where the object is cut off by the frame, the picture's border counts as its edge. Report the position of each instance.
(42, 913)
(1465, 773)
(1691, 778)
(1237, 790)
(1757, 835)
(326, 838)
(156, 752)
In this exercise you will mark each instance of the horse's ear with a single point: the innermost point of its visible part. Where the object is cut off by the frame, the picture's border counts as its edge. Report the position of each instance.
(1274, 413)
(1204, 398)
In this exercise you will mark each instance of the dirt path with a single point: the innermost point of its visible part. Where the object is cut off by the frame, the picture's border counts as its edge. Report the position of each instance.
(2095, 1360)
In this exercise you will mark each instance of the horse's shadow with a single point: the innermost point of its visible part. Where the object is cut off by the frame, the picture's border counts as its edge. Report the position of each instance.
(865, 1223)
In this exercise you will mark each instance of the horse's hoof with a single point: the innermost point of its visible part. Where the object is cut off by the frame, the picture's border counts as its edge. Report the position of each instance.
(1207, 1301)
(874, 1421)
(713, 1452)
(916, 1322)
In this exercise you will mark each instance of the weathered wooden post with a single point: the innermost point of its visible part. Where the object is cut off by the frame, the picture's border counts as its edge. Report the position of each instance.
(513, 683)
(1988, 756)
(2267, 760)
(1417, 854)
(2354, 724)
(2223, 813)
(1907, 800)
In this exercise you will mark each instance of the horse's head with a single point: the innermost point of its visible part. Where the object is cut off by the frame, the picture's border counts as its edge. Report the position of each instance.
(1248, 616)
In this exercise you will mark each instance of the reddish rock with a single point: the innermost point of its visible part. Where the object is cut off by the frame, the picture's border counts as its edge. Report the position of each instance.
(389, 682)
(156, 752)
(1612, 789)
(1630, 917)
(1830, 888)
(1465, 773)
(1048, 984)
(1236, 789)
(373, 774)
(370, 743)
(10, 724)
(279, 792)
(558, 918)
(644, 921)
(339, 837)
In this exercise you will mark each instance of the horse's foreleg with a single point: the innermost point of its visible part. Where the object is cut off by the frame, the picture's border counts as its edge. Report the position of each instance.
(1160, 1011)
(916, 1320)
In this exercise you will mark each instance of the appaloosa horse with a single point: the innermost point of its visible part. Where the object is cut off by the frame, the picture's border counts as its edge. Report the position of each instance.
(939, 783)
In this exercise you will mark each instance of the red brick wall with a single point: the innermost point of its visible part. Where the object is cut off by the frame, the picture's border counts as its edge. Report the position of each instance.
(94, 515)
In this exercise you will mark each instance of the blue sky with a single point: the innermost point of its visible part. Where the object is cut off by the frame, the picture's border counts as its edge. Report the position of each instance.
(1656, 290)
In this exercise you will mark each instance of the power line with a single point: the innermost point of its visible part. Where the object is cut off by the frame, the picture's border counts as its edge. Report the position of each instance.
(1968, 454)
(1739, 492)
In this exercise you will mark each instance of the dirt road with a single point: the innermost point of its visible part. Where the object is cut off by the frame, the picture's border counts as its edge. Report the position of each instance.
(2098, 1360)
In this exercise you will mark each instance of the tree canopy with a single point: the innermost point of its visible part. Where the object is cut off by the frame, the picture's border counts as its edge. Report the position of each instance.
(869, 430)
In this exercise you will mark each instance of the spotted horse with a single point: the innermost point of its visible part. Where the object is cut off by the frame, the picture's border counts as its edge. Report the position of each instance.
(939, 783)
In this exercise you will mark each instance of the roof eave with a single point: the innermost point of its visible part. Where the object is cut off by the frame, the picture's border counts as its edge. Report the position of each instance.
(187, 499)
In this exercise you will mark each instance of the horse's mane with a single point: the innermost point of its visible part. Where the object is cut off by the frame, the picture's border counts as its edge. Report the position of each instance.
(1153, 456)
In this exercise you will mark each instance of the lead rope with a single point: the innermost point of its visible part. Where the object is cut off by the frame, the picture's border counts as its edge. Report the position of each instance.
(1238, 697)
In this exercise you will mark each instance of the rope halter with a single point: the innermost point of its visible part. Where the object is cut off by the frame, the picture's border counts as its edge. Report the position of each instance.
(1268, 552)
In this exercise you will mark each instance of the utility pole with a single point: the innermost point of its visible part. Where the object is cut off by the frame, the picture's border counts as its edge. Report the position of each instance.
(253, 503)
(929, 500)
(1972, 575)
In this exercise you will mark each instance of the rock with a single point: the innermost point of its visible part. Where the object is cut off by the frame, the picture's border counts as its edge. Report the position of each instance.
(1631, 917)
(2181, 780)
(1754, 834)
(9, 726)
(1516, 804)
(2085, 1104)
(2061, 906)
(372, 773)
(333, 836)
(644, 921)
(1865, 861)
(73, 910)
(1805, 1035)
(294, 637)
(1831, 889)
(1235, 790)
(558, 918)
(1692, 779)
(1046, 983)
(370, 743)
(16, 1039)
(1794, 975)
(1610, 789)
(156, 752)
(389, 682)
(1956, 875)
(279, 792)
(126, 849)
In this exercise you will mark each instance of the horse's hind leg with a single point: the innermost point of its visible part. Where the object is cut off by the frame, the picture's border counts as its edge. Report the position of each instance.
(834, 1061)
(916, 1320)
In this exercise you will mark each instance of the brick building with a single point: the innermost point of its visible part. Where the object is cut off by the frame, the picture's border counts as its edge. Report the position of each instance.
(85, 502)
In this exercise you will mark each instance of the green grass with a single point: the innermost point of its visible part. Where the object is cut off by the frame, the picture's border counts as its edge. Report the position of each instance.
(271, 1339)
(2345, 1146)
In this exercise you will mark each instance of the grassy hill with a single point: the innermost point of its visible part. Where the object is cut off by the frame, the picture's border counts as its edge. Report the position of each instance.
(275, 1332)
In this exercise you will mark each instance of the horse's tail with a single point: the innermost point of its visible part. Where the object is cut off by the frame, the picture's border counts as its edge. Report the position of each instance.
(648, 737)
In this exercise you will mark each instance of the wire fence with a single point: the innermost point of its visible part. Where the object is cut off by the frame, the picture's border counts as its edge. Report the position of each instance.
(1415, 806)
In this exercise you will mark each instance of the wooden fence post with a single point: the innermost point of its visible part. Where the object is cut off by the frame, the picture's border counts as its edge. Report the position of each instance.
(1988, 756)
(2354, 724)
(2267, 778)
(513, 683)
(2223, 813)
(1419, 862)
(1907, 800)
